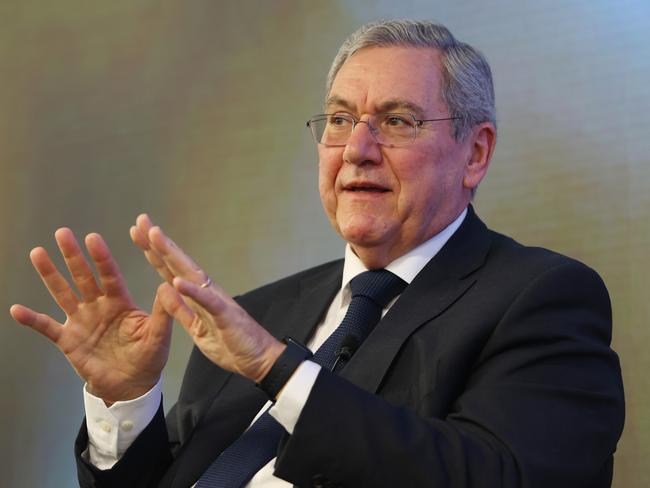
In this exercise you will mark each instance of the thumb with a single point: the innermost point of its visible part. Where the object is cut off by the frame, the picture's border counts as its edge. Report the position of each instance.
(161, 321)
(171, 303)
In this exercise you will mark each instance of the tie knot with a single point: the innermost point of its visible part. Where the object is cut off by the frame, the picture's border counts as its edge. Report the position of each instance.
(379, 285)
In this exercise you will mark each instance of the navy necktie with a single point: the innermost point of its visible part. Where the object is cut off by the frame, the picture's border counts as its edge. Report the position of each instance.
(371, 291)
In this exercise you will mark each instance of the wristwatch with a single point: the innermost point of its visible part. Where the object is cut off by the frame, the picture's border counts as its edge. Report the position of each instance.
(286, 364)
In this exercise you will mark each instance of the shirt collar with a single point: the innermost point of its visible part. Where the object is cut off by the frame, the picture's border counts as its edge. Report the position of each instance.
(408, 265)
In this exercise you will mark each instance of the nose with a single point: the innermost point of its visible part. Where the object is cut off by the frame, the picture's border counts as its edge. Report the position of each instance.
(362, 147)
(367, 122)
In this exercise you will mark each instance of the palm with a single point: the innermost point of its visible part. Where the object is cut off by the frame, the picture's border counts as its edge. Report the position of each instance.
(118, 349)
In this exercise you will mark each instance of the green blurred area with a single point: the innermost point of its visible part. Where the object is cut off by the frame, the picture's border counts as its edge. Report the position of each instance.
(194, 112)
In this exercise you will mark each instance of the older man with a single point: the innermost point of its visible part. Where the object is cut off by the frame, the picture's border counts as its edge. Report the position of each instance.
(445, 354)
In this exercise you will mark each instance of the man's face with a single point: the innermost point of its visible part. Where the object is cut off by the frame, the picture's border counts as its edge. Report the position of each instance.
(385, 201)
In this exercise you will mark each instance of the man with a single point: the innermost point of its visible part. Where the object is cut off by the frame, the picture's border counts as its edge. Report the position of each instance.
(491, 368)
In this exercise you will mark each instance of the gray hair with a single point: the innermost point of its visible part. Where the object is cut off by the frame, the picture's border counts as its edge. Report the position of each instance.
(467, 87)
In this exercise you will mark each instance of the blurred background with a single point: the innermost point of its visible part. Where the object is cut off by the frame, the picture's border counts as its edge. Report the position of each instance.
(194, 112)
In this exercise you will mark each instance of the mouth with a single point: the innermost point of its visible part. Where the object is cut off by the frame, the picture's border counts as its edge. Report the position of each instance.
(364, 187)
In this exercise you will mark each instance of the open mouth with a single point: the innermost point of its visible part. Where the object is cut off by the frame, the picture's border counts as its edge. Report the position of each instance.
(370, 188)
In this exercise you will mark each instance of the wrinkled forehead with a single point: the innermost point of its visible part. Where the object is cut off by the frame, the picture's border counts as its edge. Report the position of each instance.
(384, 79)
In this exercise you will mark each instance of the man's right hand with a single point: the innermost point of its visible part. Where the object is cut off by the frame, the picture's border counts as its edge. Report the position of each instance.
(118, 349)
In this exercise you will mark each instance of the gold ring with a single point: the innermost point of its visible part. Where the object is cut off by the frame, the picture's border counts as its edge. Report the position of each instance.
(207, 283)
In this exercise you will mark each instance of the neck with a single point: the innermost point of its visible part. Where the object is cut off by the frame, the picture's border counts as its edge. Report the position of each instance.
(372, 258)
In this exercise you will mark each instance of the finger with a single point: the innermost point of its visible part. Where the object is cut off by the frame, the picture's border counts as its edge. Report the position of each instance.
(54, 281)
(173, 303)
(141, 237)
(161, 320)
(110, 275)
(41, 323)
(76, 262)
(152, 257)
(211, 298)
(143, 224)
(179, 263)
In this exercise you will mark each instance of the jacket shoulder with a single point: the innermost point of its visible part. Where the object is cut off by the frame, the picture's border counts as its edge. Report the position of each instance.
(510, 254)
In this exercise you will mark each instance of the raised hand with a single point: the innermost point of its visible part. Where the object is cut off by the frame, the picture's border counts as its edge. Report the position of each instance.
(118, 349)
(219, 327)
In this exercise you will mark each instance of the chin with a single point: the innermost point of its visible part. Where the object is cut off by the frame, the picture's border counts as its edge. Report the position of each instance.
(364, 228)
(363, 236)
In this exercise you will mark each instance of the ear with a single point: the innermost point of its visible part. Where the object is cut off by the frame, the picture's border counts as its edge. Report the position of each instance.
(481, 146)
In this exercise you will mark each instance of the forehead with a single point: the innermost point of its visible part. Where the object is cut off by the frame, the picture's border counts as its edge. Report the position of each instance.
(389, 78)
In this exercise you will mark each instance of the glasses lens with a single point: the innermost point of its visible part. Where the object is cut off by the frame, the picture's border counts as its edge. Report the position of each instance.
(331, 129)
(395, 129)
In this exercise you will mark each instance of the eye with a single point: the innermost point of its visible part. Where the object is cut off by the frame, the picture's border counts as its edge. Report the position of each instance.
(339, 120)
(398, 121)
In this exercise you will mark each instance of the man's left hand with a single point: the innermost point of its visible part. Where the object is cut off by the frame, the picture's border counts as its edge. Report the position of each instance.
(219, 327)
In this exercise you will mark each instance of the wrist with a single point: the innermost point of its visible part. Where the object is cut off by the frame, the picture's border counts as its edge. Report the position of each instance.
(293, 355)
(271, 354)
(123, 394)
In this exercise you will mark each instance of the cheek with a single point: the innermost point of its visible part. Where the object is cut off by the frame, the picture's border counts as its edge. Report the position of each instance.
(326, 179)
(327, 173)
(413, 184)
(419, 191)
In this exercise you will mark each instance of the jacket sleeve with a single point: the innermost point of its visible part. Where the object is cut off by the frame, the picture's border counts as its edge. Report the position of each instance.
(542, 406)
(142, 465)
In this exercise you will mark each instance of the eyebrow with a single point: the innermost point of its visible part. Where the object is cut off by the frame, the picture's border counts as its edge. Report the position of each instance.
(387, 106)
(399, 103)
(338, 102)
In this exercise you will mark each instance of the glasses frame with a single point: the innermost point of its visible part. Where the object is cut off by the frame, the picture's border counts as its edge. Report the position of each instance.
(417, 123)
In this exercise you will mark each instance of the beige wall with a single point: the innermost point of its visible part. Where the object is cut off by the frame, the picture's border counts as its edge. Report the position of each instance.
(194, 112)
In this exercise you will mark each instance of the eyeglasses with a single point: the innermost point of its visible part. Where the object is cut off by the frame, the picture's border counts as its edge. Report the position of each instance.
(388, 129)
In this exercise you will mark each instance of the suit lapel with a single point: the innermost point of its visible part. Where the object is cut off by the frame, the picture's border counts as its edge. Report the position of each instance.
(298, 316)
(437, 287)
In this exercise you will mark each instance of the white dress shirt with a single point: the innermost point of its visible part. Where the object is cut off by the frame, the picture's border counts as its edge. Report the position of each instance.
(111, 430)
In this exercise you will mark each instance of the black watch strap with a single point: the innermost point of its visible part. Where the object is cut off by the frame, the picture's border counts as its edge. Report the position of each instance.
(292, 357)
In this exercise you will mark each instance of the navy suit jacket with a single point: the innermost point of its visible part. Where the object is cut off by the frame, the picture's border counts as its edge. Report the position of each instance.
(492, 369)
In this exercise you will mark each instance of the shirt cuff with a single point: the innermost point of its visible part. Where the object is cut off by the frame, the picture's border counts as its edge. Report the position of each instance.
(294, 395)
(111, 430)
